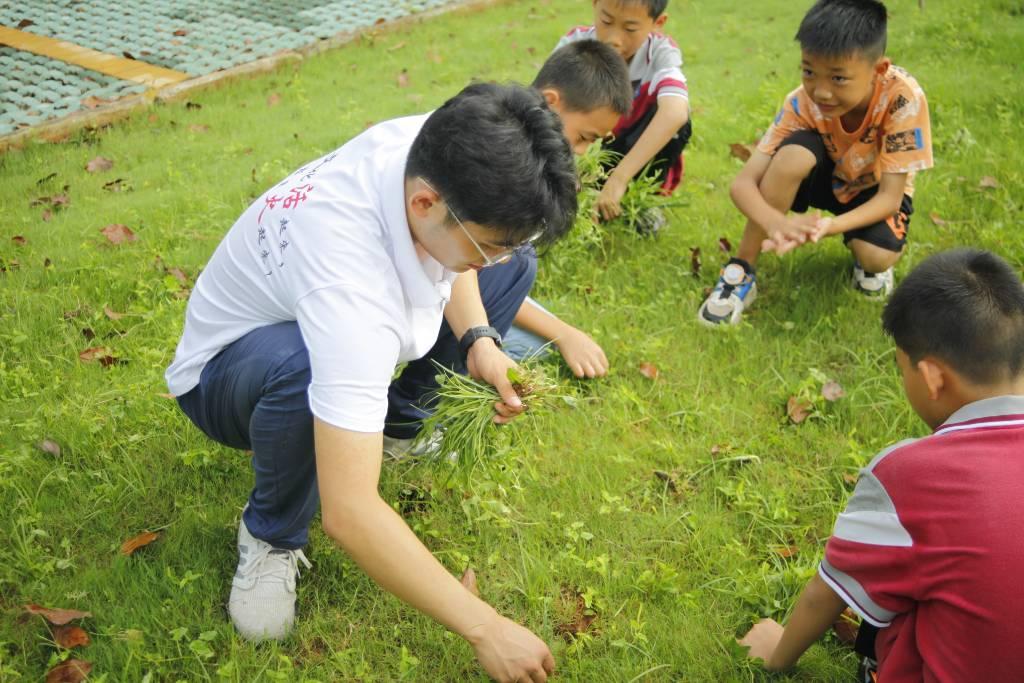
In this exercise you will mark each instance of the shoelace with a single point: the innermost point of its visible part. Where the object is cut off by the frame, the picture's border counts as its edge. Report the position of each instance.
(276, 562)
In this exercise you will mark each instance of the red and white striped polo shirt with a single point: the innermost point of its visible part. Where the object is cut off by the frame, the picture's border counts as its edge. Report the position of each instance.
(930, 548)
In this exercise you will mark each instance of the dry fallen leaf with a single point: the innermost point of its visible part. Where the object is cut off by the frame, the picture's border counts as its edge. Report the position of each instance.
(846, 627)
(725, 245)
(118, 234)
(273, 99)
(832, 391)
(581, 620)
(850, 479)
(70, 671)
(50, 446)
(988, 182)
(57, 617)
(403, 79)
(798, 409)
(670, 481)
(649, 370)
(199, 128)
(741, 152)
(142, 540)
(98, 354)
(19, 240)
(786, 551)
(397, 46)
(179, 275)
(469, 581)
(70, 636)
(113, 315)
(695, 262)
(937, 219)
(99, 164)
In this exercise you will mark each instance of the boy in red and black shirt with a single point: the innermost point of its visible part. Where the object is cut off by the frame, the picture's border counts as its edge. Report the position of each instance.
(928, 549)
(655, 132)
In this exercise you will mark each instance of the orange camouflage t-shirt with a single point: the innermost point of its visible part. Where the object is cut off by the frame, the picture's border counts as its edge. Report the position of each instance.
(895, 136)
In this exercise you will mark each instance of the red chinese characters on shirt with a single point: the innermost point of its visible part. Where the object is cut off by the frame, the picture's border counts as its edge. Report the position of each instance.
(296, 195)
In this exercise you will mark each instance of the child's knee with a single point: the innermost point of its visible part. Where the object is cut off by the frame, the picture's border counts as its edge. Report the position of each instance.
(791, 163)
(872, 258)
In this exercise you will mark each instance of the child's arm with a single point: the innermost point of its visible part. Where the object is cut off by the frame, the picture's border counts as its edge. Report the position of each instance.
(816, 610)
(673, 112)
(581, 353)
(884, 204)
(746, 195)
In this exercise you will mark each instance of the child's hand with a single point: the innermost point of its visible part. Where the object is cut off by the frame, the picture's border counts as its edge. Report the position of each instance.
(761, 640)
(795, 231)
(582, 354)
(608, 204)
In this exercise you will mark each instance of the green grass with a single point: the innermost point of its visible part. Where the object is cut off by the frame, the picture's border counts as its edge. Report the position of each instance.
(673, 575)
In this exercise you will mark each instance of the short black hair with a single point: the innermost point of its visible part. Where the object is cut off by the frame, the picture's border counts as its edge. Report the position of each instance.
(964, 307)
(655, 8)
(499, 158)
(589, 75)
(844, 28)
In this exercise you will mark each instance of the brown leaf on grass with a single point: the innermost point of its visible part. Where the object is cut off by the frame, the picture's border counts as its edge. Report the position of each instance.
(937, 220)
(153, 118)
(786, 551)
(832, 391)
(403, 79)
(581, 620)
(19, 240)
(88, 333)
(46, 178)
(193, 106)
(725, 245)
(397, 46)
(434, 56)
(136, 542)
(179, 275)
(112, 314)
(850, 479)
(798, 409)
(695, 262)
(846, 627)
(69, 636)
(469, 581)
(115, 185)
(118, 234)
(988, 183)
(55, 201)
(50, 447)
(47, 215)
(741, 152)
(92, 102)
(670, 481)
(98, 354)
(57, 617)
(99, 164)
(273, 99)
(69, 671)
(649, 370)
(181, 32)
(199, 128)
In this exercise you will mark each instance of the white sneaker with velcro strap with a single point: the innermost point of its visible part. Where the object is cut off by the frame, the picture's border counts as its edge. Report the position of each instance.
(735, 290)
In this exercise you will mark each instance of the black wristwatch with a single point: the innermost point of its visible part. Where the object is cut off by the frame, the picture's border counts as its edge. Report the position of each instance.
(474, 333)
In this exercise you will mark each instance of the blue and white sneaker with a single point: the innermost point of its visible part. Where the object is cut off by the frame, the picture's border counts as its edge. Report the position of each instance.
(735, 291)
(873, 285)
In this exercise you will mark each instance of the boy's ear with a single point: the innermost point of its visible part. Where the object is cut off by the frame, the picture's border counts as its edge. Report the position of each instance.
(882, 65)
(659, 23)
(935, 376)
(553, 97)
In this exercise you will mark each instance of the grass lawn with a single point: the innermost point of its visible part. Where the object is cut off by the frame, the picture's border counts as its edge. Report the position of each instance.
(672, 565)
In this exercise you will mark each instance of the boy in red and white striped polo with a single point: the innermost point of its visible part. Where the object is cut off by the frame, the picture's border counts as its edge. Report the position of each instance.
(928, 549)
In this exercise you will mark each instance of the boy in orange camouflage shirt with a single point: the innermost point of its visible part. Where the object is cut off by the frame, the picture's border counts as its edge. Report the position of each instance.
(848, 141)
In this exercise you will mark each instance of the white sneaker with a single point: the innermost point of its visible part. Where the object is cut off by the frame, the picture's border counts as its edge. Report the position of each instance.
(397, 450)
(735, 290)
(873, 285)
(262, 601)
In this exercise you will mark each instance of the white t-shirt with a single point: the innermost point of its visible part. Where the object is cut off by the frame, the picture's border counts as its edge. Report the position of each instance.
(329, 247)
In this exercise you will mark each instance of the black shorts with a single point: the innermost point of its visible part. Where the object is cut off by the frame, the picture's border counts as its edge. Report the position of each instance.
(816, 191)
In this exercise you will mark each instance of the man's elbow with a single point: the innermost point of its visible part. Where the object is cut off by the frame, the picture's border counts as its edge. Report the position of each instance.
(339, 519)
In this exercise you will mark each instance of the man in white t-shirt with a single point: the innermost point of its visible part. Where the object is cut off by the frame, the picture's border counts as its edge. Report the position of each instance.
(325, 284)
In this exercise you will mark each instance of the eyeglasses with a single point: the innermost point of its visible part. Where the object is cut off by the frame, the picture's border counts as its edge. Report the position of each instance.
(502, 257)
